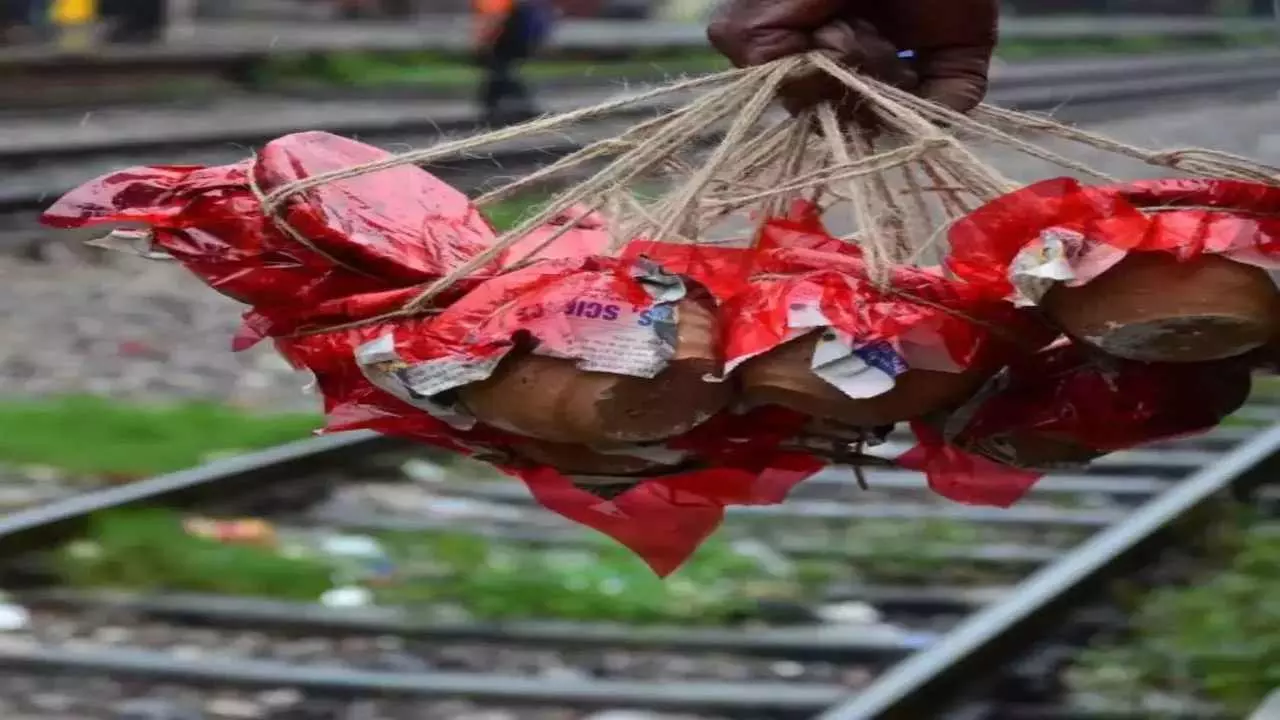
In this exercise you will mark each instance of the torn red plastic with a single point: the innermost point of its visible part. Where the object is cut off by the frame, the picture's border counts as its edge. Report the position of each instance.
(725, 271)
(379, 231)
(1097, 226)
(663, 519)
(930, 321)
(575, 233)
(1071, 393)
(964, 477)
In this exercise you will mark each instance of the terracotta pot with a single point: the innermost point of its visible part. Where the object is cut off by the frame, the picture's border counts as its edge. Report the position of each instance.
(1153, 308)
(1030, 450)
(551, 399)
(783, 376)
(582, 460)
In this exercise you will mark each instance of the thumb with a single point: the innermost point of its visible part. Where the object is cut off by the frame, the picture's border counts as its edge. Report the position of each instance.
(954, 77)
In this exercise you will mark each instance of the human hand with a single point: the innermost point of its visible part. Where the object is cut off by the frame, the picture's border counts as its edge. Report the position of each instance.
(952, 41)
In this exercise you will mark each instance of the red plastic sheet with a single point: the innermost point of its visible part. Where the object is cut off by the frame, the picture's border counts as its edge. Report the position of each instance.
(1069, 391)
(1184, 217)
(373, 241)
(380, 231)
(663, 520)
(937, 322)
(575, 233)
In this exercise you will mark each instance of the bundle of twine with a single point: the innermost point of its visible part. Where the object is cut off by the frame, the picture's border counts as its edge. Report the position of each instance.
(902, 188)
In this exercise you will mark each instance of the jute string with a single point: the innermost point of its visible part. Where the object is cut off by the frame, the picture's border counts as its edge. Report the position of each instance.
(902, 187)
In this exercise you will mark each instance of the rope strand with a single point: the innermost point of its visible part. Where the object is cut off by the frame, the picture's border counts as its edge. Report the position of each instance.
(759, 170)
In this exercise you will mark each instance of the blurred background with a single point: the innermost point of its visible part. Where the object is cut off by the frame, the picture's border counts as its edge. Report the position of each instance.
(37, 19)
(356, 579)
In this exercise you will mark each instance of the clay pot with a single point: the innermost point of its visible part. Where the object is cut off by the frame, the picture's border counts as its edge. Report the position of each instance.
(783, 377)
(1154, 308)
(551, 399)
(1210, 391)
(582, 460)
(1030, 450)
(605, 475)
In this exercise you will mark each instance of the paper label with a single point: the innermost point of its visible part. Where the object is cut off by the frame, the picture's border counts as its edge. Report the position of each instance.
(804, 309)
(418, 383)
(605, 334)
(882, 357)
(599, 331)
(132, 242)
(1042, 263)
(1058, 255)
(864, 372)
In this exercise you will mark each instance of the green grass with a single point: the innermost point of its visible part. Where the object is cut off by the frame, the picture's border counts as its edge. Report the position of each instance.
(93, 436)
(507, 214)
(147, 551)
(90, 436)
(1215, 638)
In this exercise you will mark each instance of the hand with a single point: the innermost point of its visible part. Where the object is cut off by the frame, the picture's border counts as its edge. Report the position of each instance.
(952, 39)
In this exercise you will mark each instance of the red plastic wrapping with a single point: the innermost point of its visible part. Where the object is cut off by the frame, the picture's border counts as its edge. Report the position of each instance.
(1097, 226)
(587, 236)
(384, 230)
(929, 321)
(722, 271)
(663, 520)
(726, 271)
(373, 242)
(1071, 392)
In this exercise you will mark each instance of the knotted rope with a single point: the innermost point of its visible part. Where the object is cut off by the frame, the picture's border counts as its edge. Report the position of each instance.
(902, 188)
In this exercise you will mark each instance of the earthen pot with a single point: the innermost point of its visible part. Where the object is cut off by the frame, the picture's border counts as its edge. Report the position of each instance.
(1031, 450)
(783, 377)
(582, 460)
(551, 399)
(605, 475)
(1154, 308)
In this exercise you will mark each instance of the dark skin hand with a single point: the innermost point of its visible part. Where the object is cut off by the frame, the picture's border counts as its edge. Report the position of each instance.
(952, 39)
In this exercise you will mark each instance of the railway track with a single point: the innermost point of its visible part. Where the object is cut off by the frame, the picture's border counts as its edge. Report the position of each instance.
(886, 603)
(893, 575)
(42, 159)
(1015, 658)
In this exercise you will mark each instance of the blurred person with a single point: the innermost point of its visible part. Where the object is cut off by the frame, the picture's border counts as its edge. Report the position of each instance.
(12, 20)
(135, 21)
(40, 16)
(508, 32)
(24, 19)
(952, 42)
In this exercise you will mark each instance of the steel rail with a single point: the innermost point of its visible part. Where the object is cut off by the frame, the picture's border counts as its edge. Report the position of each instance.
(926, 681)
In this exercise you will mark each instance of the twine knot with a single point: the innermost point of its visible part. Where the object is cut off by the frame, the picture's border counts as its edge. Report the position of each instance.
(902, 188)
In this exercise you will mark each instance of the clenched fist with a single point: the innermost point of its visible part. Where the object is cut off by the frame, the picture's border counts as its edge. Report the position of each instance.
(952, 40)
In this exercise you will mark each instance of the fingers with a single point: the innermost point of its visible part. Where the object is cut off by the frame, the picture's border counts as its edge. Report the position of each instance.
(953, 41)
(859, 46)
(954, 77)
(754, 32)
